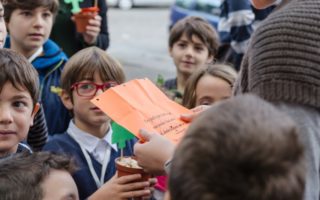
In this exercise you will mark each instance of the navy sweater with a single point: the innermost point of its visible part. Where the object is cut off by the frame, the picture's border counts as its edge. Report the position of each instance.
(83, 178)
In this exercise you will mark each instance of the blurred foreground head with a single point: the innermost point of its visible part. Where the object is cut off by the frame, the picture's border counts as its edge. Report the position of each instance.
(241, 148)
(37, 176)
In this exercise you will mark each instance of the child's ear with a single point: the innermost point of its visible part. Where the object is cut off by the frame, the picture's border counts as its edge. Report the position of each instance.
(66, 100)
(210, 59)
(170, 51)
(34, 112)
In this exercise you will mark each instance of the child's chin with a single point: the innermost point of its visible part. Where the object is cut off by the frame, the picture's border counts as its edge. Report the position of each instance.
(102, 120)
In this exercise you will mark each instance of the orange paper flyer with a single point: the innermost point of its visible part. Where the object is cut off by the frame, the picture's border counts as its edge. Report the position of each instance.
(140, 104)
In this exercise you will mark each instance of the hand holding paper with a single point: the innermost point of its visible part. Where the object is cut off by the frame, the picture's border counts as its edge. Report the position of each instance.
(140, 104)
(154, 153)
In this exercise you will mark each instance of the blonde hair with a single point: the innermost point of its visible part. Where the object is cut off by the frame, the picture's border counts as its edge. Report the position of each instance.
(222, 71)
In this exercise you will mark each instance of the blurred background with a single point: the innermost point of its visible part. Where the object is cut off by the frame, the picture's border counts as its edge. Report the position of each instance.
(139, 31)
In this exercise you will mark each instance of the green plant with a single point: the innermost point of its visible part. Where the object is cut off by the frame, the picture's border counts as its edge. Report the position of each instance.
(75, 5)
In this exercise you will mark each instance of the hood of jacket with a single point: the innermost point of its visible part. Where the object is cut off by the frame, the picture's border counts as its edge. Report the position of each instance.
(51, 55)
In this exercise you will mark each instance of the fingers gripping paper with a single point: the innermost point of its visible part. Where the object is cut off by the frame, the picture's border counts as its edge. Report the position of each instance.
(140, 104)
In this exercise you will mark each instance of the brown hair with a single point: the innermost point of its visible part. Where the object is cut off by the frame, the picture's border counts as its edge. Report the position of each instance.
(222, 71)
(195, 26)
(85, 63)
(241, 148)
(11, 5)
(16, 69)
(21, 175)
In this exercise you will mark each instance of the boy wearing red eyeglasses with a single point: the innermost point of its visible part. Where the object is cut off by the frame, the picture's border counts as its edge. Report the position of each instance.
(88, 138)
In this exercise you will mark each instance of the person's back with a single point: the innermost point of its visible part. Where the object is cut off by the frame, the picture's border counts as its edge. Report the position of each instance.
(242, 148)
(282, 66)
(308, 121)
(29, 24)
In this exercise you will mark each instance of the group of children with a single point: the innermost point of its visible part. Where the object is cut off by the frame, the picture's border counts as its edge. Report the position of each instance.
(282, 67)
(33, 68)
(243, 150)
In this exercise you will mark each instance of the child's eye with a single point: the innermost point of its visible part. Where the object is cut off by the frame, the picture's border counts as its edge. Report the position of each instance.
(47, 14)
(86, 86)
(19, 104)
(206, 103)
(199, 48)
(26, 13)
(182, 45)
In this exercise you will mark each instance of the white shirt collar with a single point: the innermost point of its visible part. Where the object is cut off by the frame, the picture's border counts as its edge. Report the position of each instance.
(88, 141)
(36, 54)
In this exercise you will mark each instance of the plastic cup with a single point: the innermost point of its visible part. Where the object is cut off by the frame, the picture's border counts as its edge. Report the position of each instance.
(82, 18)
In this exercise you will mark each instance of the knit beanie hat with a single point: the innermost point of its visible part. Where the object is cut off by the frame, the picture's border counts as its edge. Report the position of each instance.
(283, 59)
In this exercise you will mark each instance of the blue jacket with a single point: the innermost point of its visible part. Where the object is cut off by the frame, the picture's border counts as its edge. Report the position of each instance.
(49, 66)
(64, 143)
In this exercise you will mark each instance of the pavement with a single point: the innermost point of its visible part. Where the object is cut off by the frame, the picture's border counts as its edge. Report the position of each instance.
(139, 40)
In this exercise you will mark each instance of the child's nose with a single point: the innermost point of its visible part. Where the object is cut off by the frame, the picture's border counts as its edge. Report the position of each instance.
(38, 20)
(99, 91)
(5, 115)
(189, 51)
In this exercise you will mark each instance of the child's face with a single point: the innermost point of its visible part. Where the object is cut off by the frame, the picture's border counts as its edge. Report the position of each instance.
(211, 89)
(87, 116)
(3, 30)
(189, 55)
(16, 117)
(29, 29)
(59, 185)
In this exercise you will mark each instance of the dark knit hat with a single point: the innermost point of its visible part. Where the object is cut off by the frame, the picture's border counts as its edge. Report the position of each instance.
(283, 60)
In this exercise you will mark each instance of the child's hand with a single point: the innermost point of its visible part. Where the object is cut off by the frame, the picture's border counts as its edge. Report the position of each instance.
(92, 30)
(153, 182)
(196, 111)
(124, 187)
(153, 154)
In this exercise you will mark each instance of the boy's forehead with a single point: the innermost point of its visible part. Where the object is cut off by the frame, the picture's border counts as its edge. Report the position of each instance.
(91, 75)
(42, 8)
(15, 88)
(191, 38)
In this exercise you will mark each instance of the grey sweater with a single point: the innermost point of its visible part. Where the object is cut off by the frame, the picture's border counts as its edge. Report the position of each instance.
(282, 66)
(308, 120)
(282, 63)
